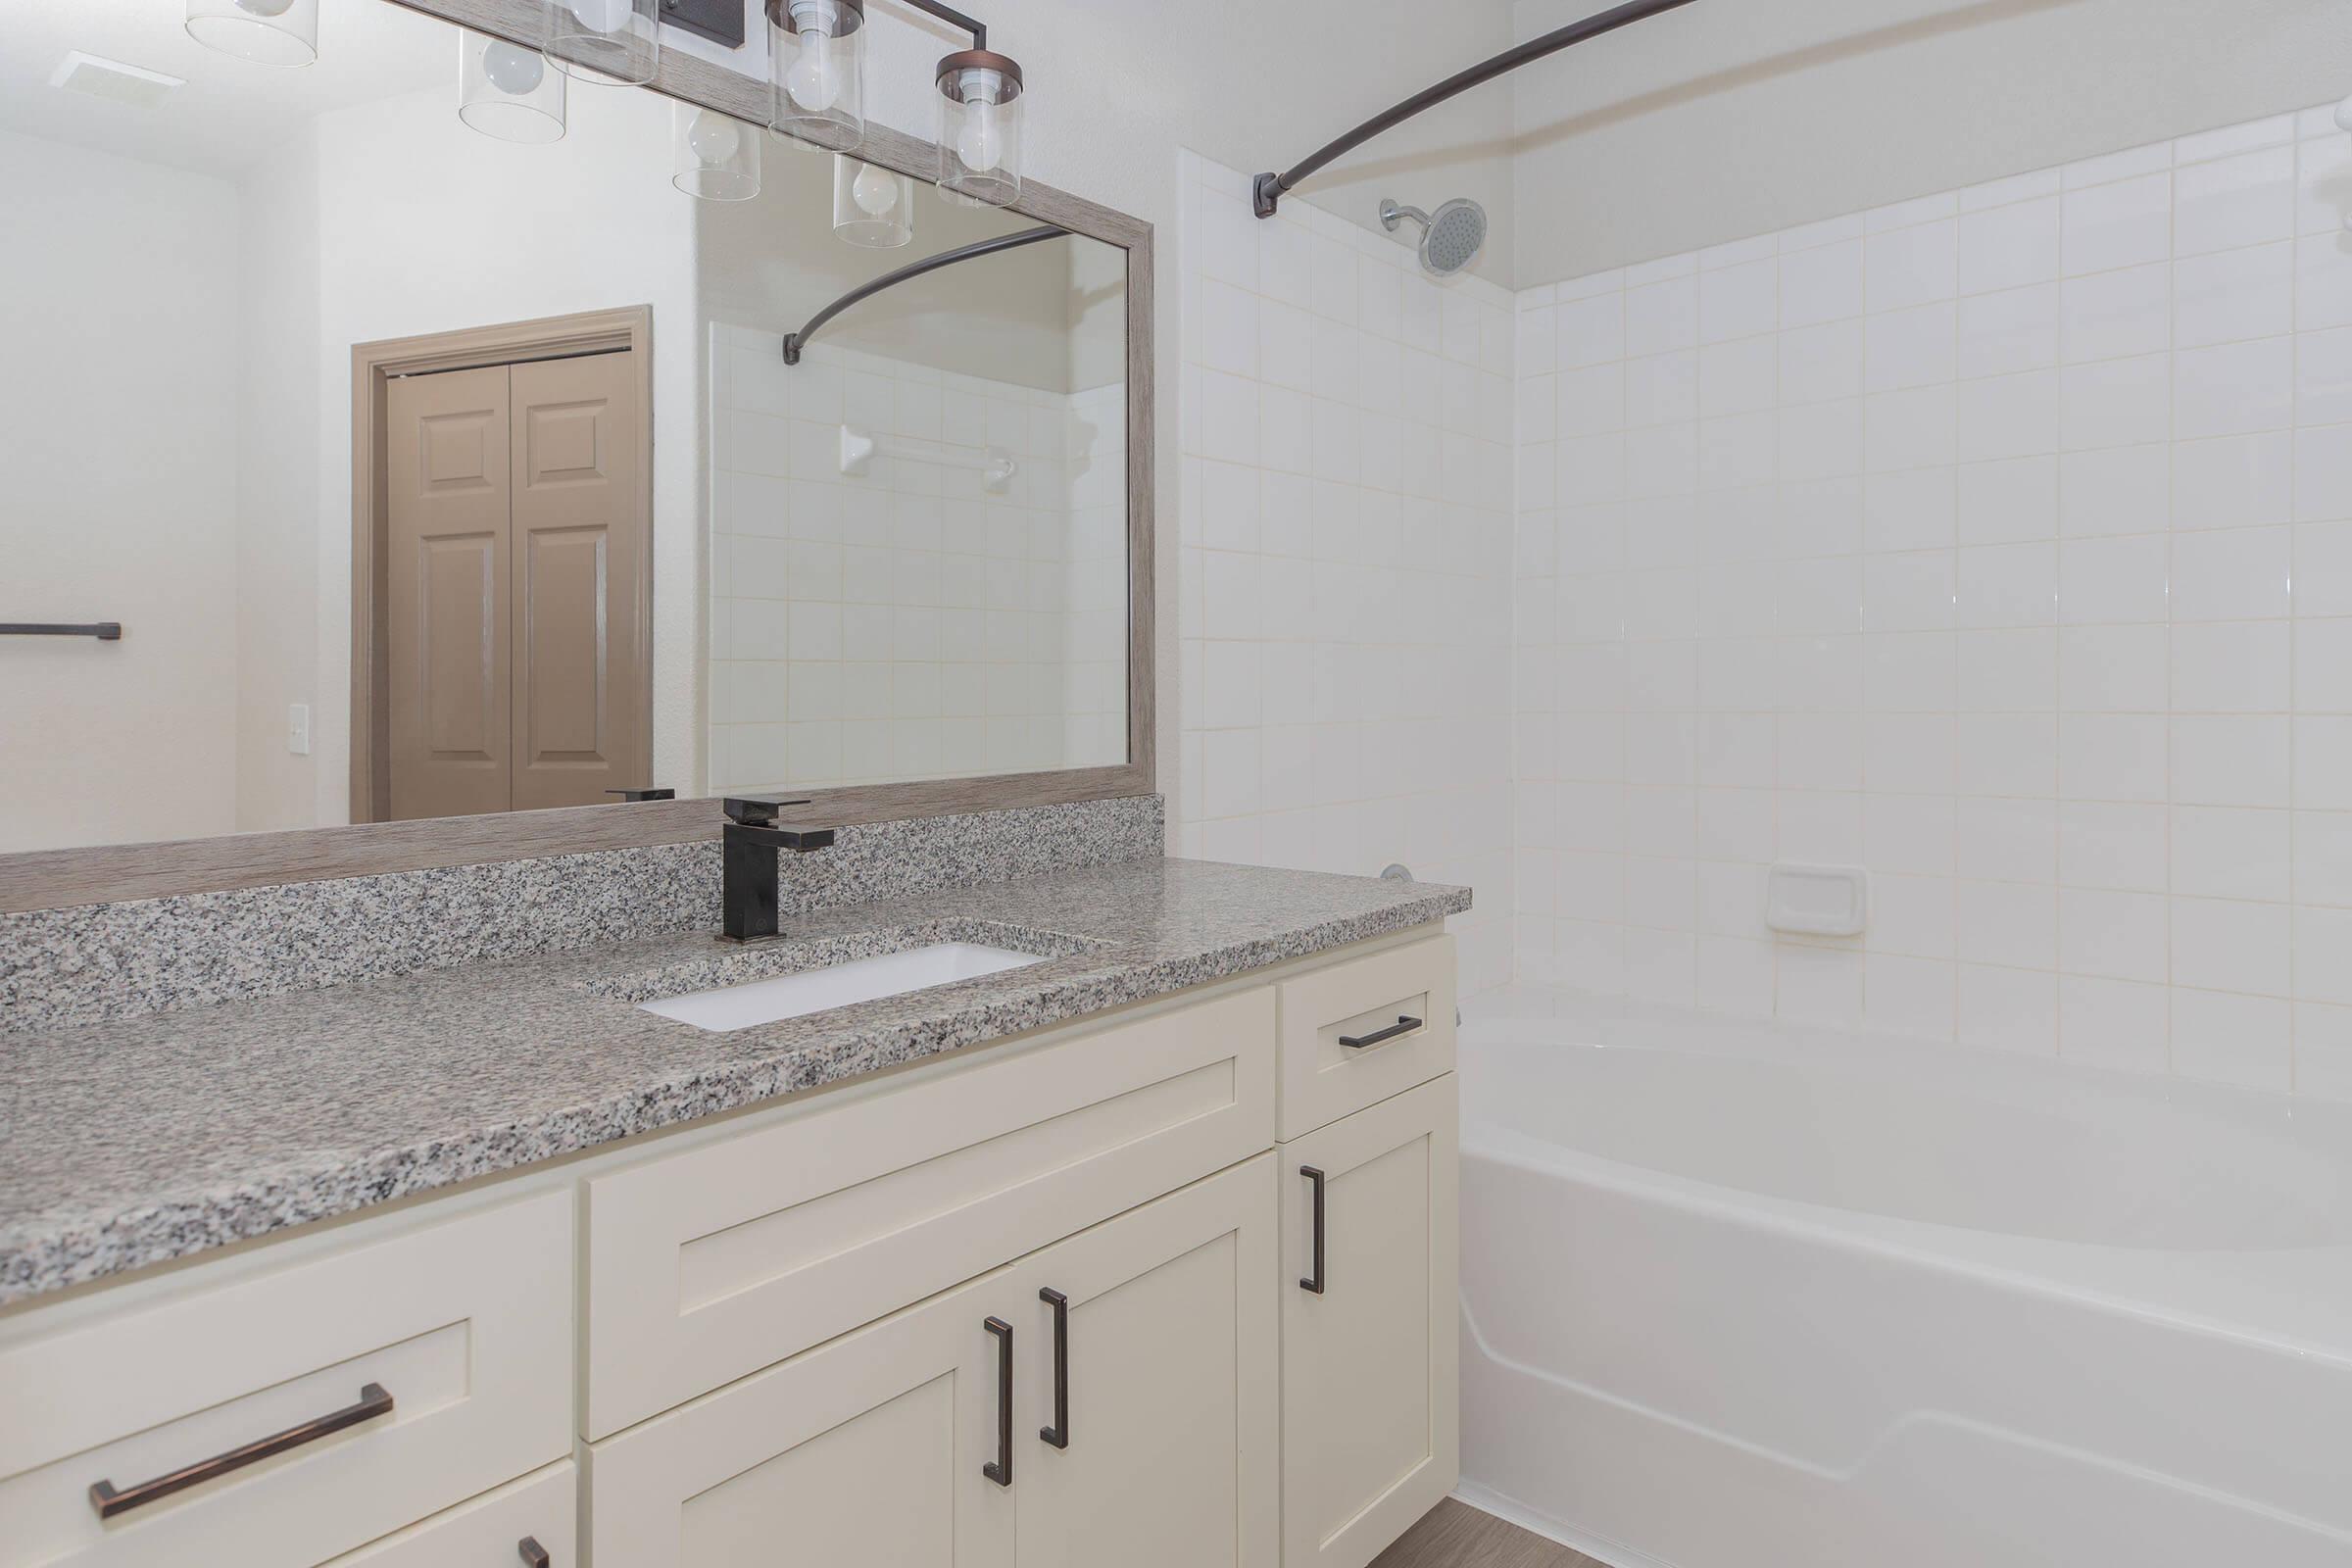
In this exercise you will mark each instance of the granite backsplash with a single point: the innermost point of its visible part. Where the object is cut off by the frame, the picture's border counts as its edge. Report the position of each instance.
(92, 963)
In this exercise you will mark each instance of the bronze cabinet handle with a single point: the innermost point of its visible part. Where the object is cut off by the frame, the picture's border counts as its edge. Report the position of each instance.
(1315, 1281)
(1402, 1026)
(373, 1402)
(532, 1552)
(999, 1469)
(1058, 1434)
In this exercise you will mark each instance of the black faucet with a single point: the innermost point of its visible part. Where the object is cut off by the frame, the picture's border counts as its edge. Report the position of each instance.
(747, 848)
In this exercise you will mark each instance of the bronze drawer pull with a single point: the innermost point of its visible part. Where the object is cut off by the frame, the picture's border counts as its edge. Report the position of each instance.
(1402, 1026)
(999, 1469)
(1314, 1282)
(532, 1552)
(1058, 1434)
(373, 1402)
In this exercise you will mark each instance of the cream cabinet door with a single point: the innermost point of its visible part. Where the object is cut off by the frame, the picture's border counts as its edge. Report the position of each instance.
(528, 1522)
(1370, 1437)
(1150, 1418)
(867, 1450)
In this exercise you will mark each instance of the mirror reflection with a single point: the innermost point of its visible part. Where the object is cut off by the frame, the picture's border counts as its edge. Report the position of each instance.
(422, 419)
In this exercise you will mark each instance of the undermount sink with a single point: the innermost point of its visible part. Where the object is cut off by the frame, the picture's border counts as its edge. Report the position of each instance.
(840, 984)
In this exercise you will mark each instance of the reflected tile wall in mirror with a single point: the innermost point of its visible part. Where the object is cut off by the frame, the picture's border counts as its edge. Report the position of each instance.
(953, 610)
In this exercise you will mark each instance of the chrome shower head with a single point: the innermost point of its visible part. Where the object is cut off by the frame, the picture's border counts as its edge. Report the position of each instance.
(1450, 236)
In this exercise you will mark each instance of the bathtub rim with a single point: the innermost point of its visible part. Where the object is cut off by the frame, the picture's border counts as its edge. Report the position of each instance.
(2295, 1300)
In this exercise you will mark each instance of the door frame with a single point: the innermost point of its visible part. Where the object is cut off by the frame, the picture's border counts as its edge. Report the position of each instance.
(373, 366)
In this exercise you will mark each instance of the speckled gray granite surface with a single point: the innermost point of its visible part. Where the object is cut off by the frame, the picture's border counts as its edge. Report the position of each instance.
(116, 960)
(136, 1141)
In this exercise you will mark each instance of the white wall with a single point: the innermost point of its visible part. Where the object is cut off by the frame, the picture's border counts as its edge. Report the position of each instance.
(123, 499)
(2001, 542)
(1346, 557)
(1724, 119)
(279, 523)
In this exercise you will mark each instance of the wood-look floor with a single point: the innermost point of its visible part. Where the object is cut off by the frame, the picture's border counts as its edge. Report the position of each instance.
(1454, 1535)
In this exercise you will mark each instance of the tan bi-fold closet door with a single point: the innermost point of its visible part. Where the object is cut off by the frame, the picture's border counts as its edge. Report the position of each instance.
(517, 587)
(580, 664)
(446, 551)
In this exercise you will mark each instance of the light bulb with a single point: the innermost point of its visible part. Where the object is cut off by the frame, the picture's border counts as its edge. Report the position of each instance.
(874, 190)
(2343, 114)
(602, 15)
(981, 142)
(814, 79)
(265, 8)
(713, 139)
(513, 70)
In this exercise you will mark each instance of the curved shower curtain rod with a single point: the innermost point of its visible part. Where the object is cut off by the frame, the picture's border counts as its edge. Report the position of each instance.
(1268, 189)
(793, 342)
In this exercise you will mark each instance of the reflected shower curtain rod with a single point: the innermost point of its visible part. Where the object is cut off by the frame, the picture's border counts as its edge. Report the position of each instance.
(1268, 189)
(793, 342)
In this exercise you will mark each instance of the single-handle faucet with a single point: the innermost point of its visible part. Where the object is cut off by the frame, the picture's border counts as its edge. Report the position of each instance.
(747, 851)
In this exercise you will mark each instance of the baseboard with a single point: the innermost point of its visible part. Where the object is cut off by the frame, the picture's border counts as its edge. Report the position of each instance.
(1472, 1495)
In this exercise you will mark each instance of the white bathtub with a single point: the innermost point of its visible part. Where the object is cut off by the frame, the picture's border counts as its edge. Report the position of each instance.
(1737, 1296)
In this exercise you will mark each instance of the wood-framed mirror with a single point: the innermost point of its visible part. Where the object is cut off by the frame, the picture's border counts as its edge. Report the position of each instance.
(440, 482)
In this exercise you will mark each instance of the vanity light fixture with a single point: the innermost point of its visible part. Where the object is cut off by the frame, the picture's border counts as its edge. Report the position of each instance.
(508, 91)
(873, 207)
(817, 81)
(980, 125)
(717, 155)
(817, 71)
(616, 42)
(267, 32)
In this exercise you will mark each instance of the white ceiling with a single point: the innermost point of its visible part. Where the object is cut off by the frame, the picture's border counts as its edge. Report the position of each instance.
(231, 111)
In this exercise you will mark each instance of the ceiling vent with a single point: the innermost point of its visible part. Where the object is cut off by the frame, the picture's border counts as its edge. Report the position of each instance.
(135, 85)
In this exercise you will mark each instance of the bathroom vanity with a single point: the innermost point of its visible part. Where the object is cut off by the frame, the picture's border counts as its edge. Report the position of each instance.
(1141, 1252)
(396, 1167)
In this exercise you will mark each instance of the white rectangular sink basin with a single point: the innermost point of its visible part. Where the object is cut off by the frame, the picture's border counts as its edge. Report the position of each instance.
(840, 985)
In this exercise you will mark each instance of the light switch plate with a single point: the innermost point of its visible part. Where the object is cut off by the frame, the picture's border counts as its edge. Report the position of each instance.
(719, 21)
(298, 728)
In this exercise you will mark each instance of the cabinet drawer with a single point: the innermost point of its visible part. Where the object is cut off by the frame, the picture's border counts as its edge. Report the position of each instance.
(466, 1326)
(714, 1262)
(1399, 1003)
(490, 1531)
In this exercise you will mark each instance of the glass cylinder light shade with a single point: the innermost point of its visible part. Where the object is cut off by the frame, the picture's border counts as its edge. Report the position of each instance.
(817, 71)
(980, 126)
(267, 32)
(602, 40)
(717, 155)
(872, 206)
(508, 91)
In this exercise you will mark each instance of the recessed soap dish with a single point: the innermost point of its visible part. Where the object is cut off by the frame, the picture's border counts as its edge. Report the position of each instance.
(1817, 901)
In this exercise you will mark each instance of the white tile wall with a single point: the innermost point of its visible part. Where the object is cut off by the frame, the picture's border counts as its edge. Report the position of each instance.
(909, 623)
(1345, 556)
(2001, 542)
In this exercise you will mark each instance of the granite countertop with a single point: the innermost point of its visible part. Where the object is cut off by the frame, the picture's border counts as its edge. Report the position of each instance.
(133, 1142)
